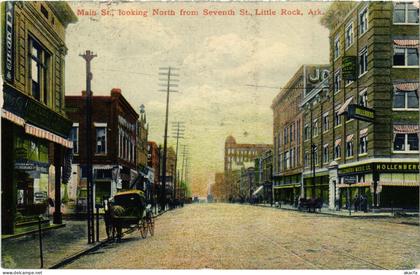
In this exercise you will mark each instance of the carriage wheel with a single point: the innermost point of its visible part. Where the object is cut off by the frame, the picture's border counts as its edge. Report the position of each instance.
(143, 229)
(151, 226)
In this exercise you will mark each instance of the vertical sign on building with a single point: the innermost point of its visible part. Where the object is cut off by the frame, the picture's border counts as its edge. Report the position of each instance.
(9, 33)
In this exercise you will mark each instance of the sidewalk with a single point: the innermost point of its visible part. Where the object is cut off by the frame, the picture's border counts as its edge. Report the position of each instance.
(58, 244)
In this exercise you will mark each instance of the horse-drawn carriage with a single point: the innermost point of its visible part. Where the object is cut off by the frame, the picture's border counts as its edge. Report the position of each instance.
(128, 210)
(310, 204)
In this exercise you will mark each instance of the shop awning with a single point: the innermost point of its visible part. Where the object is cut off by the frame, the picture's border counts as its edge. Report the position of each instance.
(283, 186)
(406, 129)
(363, 132)
(399, 183)
(41, 133)
(259, 189)
(349, 138)
(407, 86)
(358, 184)
(343, 108)
(12, 117)
(406, 43)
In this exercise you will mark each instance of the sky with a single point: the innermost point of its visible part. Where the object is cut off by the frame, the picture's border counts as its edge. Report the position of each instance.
(230, 67)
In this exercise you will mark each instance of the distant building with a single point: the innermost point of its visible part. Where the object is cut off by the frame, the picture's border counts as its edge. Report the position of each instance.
(153, 162)
(264, 175)
(114, 134)
(218, 187)
(236, 154)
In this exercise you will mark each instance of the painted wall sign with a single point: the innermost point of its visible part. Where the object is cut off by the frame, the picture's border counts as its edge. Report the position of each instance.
(409, 167)
(360, 113)
(9, 42)
(348, 68)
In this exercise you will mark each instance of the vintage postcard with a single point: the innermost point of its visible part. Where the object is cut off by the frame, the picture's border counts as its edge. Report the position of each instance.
(217, 135)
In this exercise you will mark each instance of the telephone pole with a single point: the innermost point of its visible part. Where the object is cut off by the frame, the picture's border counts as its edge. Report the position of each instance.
(178, 133)
(168, 83)
(88, 56)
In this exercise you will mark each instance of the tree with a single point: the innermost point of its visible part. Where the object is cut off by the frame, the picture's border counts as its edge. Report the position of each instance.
(336, 13)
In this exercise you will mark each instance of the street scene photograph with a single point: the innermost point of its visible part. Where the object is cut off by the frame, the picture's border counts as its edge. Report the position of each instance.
(210, 135)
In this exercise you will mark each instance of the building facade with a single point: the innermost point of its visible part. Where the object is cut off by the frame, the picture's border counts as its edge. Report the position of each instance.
(34, 128)
(367, 142)
(288, 131)
(264, 175)
(153, 162)
(114, 132)
(235, 155)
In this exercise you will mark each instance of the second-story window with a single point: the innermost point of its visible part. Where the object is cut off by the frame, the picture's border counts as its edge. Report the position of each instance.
(101, 129)
(363, 61)
(406, 138)
(406, 55)
(363, 98)
(315, 155)
(337, 149)
(39, 71)
(325, 122)
(363, 21)
(405, 100)
(363, 141)
(349, 35)
(325, 153)
(406, 13)
(349, 146)
(74, 137)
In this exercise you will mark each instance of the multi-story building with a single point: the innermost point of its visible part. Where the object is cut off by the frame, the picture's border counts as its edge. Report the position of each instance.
(264, 175)
(368, 135)
(114, 132)
(34, 126)
(237, 154)
(287, 131)
(143, 181)
(219, 194)
(153, 162)
(247, 184)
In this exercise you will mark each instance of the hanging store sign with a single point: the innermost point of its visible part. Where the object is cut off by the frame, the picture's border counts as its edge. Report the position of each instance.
(360, 113)
(9, 64)
(348, 68)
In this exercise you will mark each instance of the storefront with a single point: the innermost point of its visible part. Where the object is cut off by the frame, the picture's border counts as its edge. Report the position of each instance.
(385, 184)
(317, 187)
(287, 193)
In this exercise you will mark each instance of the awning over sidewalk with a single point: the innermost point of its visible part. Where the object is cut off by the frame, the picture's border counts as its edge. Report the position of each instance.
(259, 189)
(403, 183)
(12, 117)
(41, 133)
(283, 186)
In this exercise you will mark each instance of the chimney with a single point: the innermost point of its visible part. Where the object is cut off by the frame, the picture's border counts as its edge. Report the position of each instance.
(115, 91)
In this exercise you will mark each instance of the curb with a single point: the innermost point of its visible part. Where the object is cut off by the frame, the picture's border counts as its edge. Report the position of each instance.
(35, 231)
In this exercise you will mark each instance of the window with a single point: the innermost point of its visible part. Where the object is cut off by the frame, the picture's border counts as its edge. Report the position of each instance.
(74, 137)
(291, 132)
(337, 117)
(39, 71)
(337, 81)
(298, 132)
(315, 128)
(405, 100)
(349, 35)
(325, 122)
(406, 142)
(286, 160)
(363, 61)
(337, 149)
(349, 146)
(306, 159)
(292, 158)
(363, 146)
(325, 153)
(336, 47)
(405, 13)
(306, 132)
(100, 138)
(363, 21)
(406, 56)
(363, 99)
(285, 135)
(315, 155)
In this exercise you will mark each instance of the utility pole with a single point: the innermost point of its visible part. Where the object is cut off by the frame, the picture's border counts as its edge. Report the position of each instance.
(88, 56)
(168, 73)
(178, 132)
(184, 155)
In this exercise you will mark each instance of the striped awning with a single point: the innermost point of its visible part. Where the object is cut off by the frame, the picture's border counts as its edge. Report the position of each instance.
(363, 132)
(12, 117)
(349, 138)
(399, 183)
(407, 87)
(343, 108)
(406, 129)
(337, 142)
(406, 43)
(41, 133)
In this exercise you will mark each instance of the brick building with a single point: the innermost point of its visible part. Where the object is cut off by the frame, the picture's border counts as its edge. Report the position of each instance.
(287, 131)
(114, 134)
(235, 155)
(368, 145)
(34, 126)
(153, 162)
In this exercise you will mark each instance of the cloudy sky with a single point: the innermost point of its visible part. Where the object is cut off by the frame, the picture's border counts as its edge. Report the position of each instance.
(219, 57)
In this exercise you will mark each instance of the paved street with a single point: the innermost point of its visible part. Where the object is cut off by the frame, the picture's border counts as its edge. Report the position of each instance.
(224, 236)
